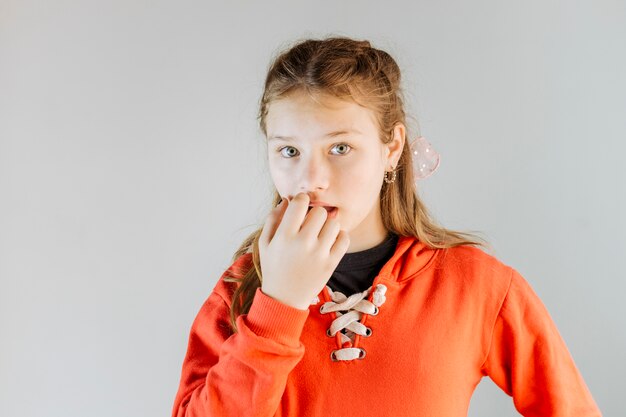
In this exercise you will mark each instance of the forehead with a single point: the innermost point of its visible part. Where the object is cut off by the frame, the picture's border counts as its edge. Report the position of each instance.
(301, 115)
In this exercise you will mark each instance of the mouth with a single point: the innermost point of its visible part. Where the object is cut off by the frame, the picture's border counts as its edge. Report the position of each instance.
(332, 211)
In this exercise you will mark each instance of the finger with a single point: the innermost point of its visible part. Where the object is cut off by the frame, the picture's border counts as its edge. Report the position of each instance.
(328, 234)
(340, 247)
(273, 220)
(314, 221)
(294, 215)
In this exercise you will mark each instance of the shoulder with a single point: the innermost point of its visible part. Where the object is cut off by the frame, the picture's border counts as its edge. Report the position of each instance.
(225, 286)
(471, 258)
(472, 266)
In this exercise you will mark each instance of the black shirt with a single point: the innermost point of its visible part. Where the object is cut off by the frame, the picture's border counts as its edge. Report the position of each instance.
(356, 271)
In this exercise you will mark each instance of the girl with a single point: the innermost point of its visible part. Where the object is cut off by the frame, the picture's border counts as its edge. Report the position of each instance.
(351, 300)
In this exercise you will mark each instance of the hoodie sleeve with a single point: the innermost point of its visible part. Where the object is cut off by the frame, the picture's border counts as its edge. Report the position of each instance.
(241, 374)
(529, 360)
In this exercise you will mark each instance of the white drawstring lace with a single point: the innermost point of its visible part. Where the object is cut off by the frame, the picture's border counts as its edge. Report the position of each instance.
(356, 305)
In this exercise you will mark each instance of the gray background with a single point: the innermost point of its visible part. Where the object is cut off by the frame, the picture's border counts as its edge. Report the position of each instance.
(131, 168)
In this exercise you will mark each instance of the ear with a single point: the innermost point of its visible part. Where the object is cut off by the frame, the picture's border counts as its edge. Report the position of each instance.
(394, 148)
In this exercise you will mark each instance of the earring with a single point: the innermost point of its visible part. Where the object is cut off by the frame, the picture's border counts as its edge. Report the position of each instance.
(393, 177)
(424, 157)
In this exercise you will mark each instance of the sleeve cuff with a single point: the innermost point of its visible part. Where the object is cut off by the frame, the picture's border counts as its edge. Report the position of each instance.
(272, 319)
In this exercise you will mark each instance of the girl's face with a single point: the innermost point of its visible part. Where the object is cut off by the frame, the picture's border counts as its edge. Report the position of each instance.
(332, 152)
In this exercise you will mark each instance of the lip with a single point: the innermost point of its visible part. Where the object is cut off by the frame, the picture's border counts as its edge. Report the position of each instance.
(331, 210)
(320, 203)
(327, 206)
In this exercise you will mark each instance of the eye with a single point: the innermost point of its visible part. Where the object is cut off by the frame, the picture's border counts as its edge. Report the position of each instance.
(287, 147)
(344, 146)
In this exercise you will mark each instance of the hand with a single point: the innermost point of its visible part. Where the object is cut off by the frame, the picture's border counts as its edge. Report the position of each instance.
(299, 251)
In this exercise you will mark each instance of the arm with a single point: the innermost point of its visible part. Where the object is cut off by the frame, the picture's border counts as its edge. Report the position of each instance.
(529, 360)
(232, 375)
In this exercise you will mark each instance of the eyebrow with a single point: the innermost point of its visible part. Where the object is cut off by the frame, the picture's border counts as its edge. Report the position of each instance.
(328, 135)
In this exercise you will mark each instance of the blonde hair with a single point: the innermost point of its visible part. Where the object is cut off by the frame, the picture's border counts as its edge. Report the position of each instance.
(353, 70)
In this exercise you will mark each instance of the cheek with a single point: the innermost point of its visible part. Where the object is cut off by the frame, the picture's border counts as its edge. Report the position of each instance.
(366, 176)
(360, 188)
(278, 174)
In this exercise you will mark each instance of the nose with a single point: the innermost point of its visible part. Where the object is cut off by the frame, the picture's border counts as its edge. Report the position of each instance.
(314, 175)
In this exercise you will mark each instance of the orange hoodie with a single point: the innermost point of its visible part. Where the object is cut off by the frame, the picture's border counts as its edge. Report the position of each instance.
(438, 321)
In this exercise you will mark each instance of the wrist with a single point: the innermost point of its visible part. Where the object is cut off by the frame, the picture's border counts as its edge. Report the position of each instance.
(285, 300)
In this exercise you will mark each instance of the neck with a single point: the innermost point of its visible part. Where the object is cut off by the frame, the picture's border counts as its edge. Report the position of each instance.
(370, 233)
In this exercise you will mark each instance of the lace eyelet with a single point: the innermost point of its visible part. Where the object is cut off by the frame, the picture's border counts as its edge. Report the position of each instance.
(362, 353)
(375, 313)
(368, 332)
(333, 357)
(328, 333)
(321, 307)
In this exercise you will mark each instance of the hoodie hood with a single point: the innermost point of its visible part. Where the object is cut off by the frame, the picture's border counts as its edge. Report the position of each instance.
(411, 257)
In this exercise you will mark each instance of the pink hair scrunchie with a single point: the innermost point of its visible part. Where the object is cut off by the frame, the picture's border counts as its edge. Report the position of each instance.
(425, 158)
